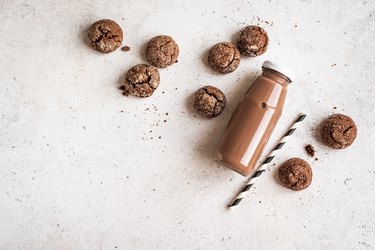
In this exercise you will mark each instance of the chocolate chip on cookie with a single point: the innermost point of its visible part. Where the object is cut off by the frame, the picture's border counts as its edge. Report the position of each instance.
(224, 57)
(105, 36)
(295, 174)
(141, 80)
(209, 101)
(338, 131)
(252, 41)
(162, 51)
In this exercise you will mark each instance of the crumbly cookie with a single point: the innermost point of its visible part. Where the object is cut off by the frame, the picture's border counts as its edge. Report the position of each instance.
(105, 36)
(224, 57)
(252, 41)
(295, 174)
(209, 101)
(338, 131)
(141, 80)
(162, 51)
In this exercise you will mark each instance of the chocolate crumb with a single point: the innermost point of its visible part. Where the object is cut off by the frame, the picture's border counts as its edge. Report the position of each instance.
(315, 159)
(310, 150)
(334, 107)
(122, 87)
(125, 48)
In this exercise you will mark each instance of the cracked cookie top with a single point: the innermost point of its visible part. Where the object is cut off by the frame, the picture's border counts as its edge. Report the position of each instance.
(162, 51)
(338, 131)
(141, 80)
(224, 57)
(295, 174)
(209, 101)
(105, 36)
(252, 41)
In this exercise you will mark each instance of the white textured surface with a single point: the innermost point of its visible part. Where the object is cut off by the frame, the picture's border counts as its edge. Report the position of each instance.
(78, 173)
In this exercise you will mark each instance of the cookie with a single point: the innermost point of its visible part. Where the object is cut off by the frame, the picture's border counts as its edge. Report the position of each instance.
(252, 41)
(141, 80)
(295, 174)
(162, 51)
(338, 131)
(209, 101)
(105, 36)
(224, 57)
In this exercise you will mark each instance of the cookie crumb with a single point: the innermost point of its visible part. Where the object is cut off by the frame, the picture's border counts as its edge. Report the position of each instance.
(334, 107)
(125, 48)
(310, 150)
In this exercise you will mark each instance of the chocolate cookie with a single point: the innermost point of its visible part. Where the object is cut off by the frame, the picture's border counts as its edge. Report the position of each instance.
(141, 80)
(105, 36)
(295, 174)
(338, 131)
(224, 57)
(162, 51)
(209, 101)
(252, 41)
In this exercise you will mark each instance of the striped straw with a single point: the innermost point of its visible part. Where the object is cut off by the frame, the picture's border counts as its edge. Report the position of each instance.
(263, 165)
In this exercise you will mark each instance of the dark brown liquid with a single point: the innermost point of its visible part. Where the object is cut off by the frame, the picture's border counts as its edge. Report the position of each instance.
(253, 122)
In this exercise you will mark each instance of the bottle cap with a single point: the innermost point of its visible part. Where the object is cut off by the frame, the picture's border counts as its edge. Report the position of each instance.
(277, 67)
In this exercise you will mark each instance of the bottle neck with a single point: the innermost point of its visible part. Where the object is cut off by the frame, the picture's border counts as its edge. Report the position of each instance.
(276, 76)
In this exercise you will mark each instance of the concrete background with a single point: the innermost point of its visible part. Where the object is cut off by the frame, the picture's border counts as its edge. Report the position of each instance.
(83, 167)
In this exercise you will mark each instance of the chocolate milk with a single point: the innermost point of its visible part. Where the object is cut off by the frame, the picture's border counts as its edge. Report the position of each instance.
(254, 119)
